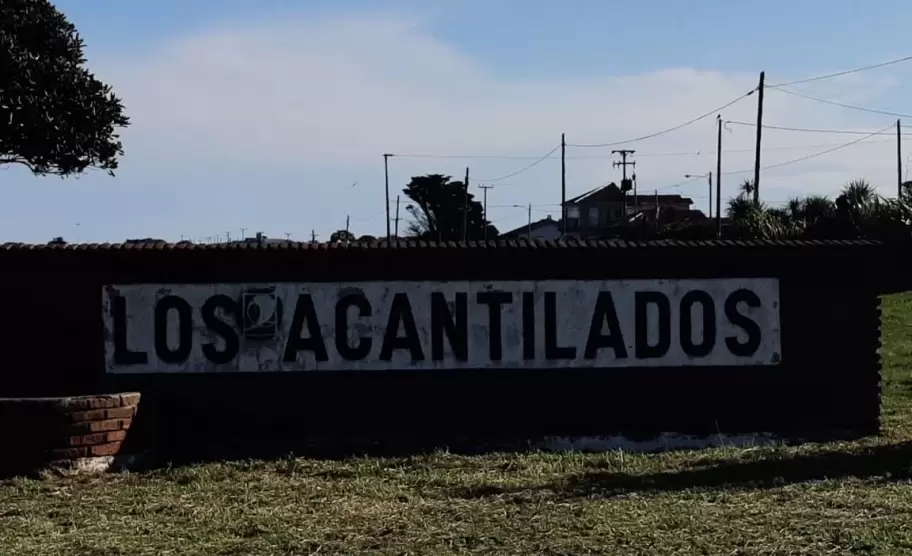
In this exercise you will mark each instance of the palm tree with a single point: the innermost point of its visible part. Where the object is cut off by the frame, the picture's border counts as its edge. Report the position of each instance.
(746, 189)
(796, 209)
(739, 207)
(859, 193)
(815, 207)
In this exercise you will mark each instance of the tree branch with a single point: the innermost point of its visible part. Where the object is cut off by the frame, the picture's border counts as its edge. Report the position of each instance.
(17, 160)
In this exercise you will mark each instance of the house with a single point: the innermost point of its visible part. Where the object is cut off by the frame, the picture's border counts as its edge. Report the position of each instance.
(595, 212)
(546, 229)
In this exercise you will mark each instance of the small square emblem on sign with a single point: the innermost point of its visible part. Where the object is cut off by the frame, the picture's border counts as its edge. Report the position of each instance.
(262, 314)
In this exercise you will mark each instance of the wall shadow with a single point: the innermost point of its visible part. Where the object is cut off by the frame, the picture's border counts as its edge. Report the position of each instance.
(892, 462)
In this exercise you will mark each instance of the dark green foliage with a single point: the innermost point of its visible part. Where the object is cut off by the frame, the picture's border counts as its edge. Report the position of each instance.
(439, 208)
(858, 212)
(341, 236)
(57, 118)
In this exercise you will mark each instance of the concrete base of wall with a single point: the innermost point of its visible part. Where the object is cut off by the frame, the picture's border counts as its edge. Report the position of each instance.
(93, 465)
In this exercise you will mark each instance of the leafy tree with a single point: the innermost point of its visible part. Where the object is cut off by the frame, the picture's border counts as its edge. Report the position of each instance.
(439, 207)
(57, 117)
(341, 236)
(367, 239)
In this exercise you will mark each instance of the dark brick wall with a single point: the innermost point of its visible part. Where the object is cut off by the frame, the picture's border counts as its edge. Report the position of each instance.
(829, 379)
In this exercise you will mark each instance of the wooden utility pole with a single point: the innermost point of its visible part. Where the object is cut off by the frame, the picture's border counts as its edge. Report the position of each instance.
(899, 172)
(485, 209)
(313, 236)
(563, 183)
(386, 175)
(397, 217)
(347, 221)
(657, 208)
(530, 221)
(719, 178)
(465, 206)
(710, 179)
(243, 234)
(759, 136)
(623, 164)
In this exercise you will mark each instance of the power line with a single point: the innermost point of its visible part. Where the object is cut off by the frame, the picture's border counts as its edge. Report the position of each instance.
(810, 156)
(493, 156)
(681, 184)
(841, 73)
(669, 130)
(520, 157)
(841, 105)
(809, 130)
(639, 154)
(529, 167)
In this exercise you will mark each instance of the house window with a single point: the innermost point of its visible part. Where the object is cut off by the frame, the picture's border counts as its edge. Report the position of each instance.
(593, 216)
(573, 215)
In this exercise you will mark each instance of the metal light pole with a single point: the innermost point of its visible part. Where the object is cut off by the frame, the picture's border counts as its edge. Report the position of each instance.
(386, 176)
(708, 176)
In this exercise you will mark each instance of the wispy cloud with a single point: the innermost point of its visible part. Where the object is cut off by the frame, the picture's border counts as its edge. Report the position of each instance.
(272, 121)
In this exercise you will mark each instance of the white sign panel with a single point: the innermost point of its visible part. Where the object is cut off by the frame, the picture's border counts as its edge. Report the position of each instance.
(187, 328)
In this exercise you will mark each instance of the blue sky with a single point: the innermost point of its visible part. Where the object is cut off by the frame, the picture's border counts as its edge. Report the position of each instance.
(262, 114)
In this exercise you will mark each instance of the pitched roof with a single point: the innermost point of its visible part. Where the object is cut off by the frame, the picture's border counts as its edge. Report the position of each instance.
(535, 225)
(611, 193)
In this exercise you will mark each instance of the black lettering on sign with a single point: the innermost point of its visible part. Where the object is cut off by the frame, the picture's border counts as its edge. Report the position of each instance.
(220, 327)
(123, 355)
(528, 325)
(708, 309)
(642, 301)
(552, 350)
(363, 345)
(605, 312)
(455, 326)
(401, 313)
(495, 301)
(754, 334)
(184, 329)
(304, 311)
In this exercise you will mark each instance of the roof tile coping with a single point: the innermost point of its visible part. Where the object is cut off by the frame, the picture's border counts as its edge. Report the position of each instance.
(418, 244)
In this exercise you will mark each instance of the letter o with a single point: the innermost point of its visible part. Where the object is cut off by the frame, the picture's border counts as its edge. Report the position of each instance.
(708, 306)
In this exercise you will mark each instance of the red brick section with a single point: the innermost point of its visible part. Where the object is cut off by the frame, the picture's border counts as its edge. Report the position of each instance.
(102, 414)
(76, 452)
(53, 429)
(97, 402)
(95, 438)
(101, 425)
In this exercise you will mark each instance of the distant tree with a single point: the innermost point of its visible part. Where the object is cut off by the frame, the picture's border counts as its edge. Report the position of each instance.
(57, 118)
(341, 236)
(439, 208)
(906, 190)
(367, 239)
(58, 241)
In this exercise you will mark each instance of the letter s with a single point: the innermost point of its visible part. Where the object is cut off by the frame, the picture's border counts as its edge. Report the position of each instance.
(754, 334)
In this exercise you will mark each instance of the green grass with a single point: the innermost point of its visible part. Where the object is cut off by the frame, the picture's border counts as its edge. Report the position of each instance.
(845, 498)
